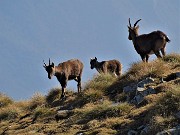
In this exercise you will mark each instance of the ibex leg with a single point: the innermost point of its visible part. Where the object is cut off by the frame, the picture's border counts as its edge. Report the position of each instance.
(63, 85)
(79, 84)
(143, 57)
(163, 51)
(158, 54)
(147, 57)
(63, 93)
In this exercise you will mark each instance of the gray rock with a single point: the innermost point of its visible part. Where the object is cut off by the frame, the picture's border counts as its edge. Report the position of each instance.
(147, 91)
(144, 131)
(141, 127)
(178, 75)
(139, 98)
(115, 104)
(173, 131)
(130, 88)
(62, 114)
(80, 134)
(132, 132)
(145, 81)
(127, 89)
(177, 115)
(140, 90)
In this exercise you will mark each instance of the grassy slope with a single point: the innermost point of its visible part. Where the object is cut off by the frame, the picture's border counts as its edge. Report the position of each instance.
(94, 111)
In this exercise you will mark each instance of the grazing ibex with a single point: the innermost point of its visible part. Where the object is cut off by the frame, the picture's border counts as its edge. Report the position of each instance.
(147, 44)
(111, 66)
(69, 70)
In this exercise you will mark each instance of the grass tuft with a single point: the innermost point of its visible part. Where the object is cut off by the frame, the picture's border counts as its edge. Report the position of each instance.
(100, 82)
(169, 103)
(53, 95)
(5, 100)
(9, 113)
(157, 68)
(36, 100)
(105, 111)
(172, 58)
(43, 111)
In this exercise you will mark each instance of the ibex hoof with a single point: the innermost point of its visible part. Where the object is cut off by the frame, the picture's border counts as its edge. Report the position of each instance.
(62, 97)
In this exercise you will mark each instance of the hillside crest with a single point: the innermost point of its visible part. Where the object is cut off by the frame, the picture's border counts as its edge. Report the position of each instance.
(144, 100)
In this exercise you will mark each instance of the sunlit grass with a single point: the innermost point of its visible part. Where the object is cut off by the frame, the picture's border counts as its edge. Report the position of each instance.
(5, 100)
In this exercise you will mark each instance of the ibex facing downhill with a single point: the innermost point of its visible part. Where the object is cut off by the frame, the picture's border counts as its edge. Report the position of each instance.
(69, 70)
(111, 66)
(147, 44)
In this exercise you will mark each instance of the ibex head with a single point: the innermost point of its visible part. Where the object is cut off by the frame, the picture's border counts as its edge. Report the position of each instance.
(133, 31)
(50, 69)
(93, 62)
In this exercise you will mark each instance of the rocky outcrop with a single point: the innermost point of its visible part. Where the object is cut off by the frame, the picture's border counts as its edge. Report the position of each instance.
(63, 114)
(142, 130)
(172, 131)
(140, 90)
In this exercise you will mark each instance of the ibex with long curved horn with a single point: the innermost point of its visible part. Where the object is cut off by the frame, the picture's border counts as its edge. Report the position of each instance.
(69, 70)
(147, 44)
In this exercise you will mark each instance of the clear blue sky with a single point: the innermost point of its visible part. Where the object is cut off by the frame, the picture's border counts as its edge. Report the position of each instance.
(35, 30)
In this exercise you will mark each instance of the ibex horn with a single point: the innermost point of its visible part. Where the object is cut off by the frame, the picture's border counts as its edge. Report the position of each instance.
(137, 22)
(49, 62)
(129, 22)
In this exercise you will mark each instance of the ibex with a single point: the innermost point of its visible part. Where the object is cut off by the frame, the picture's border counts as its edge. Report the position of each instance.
(69, 70)
(147, 44)
(111, 66)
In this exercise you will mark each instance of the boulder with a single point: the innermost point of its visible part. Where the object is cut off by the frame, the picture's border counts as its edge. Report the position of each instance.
(142, 83)
(172, 76)
(139, 91)
(172, 131)
(132, 132)
(144, 131)
(177, 115)
(62, 114)
(130, 88)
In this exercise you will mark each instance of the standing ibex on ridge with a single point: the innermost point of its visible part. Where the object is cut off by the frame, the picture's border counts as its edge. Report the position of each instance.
(69, 70)
(111, 66)
(147, 44)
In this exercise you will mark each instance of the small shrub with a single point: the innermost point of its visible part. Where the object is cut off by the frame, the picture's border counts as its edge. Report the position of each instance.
(159, 123)
(43, 111)
(172, 58)
(92, 95)
(105, 111)
(23, 105)
(121, 97)
(5, 100)
(100, 82)
(157, 68)
(87, 96)
(9, 113)
(169, 103)
(53, 95)
(37, 100)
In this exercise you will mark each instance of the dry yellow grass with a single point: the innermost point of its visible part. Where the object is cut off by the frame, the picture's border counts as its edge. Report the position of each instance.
(5, 100)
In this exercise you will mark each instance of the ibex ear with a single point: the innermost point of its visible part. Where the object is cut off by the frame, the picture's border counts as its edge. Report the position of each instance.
(95, 58)
(52, 64)
(137, 27)
(44, 64)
